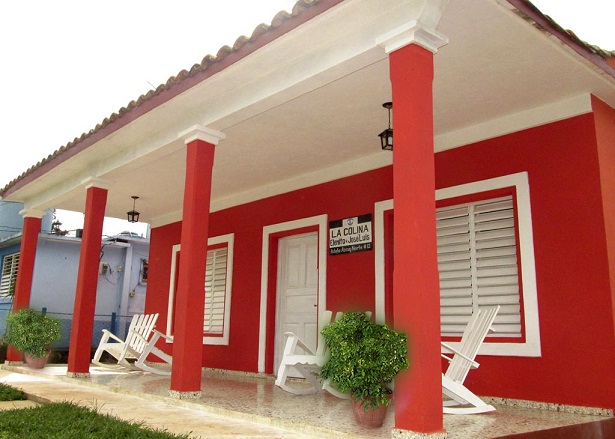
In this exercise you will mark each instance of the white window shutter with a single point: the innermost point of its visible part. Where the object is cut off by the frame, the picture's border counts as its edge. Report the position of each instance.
(477, 261)
(8, 279)
(215, 291)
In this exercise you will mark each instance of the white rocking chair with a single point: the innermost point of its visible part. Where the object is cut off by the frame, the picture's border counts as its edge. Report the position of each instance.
(307, 364)
(138, 345)
(461, 363)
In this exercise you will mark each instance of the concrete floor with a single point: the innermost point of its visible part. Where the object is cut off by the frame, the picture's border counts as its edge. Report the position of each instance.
(246, 406)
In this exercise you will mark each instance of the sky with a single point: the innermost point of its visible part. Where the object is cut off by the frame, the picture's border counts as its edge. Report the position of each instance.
(65, 65)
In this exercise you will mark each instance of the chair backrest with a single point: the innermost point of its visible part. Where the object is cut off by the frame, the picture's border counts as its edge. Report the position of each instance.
(140, 330)
(473, 336)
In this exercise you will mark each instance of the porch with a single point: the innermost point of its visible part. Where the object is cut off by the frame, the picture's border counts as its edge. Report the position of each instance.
(255, 407)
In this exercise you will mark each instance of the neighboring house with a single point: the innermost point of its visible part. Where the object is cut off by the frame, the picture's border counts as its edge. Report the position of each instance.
(121, 285)
(499, 190)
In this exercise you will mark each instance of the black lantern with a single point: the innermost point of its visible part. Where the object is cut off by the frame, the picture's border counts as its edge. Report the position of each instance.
(386, 137)
(133, 215)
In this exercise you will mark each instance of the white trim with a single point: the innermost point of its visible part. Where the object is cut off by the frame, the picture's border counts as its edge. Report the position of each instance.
(379, 209)
(98, 182)
(199, 132)
(321, 222)
(32, 213)
(229, 239)
(413, 32)
(531, 347)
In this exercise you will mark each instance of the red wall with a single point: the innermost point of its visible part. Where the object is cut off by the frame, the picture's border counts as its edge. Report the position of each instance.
(576, 325)
(350, 280)
(605, 136)
(577, 334)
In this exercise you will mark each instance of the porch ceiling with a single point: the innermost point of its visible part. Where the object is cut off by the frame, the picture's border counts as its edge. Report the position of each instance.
(307, 108)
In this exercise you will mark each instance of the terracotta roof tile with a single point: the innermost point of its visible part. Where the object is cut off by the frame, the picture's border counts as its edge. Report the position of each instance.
(260, 30)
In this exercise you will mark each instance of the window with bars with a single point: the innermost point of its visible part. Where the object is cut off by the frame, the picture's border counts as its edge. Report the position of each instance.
(10, 265)
(478, 264)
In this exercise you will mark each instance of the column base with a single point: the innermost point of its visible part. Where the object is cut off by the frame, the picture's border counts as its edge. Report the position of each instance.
(14, 363)
(398, 433)
(78, 374)
(184, 395)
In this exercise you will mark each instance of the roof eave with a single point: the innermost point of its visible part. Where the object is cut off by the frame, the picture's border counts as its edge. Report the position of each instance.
(282, 23)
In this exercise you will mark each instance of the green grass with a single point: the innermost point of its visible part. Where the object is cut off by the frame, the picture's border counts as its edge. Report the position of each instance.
(9, 393)
(67, 420)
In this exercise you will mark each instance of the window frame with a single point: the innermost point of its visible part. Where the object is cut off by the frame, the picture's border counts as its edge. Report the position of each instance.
(218, 241)
(14, 270)
(529, 344)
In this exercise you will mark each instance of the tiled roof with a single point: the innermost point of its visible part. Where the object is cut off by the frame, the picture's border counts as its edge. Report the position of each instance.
(174, 81)
(224, 52)
(537, 14)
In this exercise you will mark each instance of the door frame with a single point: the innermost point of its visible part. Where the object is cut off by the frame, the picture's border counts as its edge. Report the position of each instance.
(269, 265)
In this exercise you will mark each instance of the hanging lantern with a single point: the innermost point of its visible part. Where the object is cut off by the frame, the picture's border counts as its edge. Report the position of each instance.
(386, 137)
(133, 215)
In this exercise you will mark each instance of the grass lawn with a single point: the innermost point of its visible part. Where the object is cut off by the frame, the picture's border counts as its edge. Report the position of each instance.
(9, 393)
(69, 421)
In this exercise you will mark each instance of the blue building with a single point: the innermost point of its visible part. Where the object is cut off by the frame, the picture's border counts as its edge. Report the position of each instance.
(122, 273)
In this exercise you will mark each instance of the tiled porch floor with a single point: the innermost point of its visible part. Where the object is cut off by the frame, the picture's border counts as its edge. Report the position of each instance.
(255, 407)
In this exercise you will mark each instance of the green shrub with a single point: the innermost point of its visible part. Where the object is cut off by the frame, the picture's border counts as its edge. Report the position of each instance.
(364, 358)
(31, 332)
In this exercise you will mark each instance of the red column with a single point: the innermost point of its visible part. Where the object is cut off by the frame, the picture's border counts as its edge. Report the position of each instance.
(416, 293)
(190, 295)
(87, 281)
(25, 273)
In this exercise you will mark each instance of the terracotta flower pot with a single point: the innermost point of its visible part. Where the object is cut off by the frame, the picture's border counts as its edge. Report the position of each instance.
(372, 418)
(35, 363)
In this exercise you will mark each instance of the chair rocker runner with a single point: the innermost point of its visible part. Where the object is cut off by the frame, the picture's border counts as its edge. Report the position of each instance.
(138, 345)
(309, 363)
(461, 363)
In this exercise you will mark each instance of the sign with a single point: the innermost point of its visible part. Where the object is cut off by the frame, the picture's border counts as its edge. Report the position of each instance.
(350, 235)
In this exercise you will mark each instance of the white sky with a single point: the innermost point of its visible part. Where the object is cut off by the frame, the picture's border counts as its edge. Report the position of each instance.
(65, 65)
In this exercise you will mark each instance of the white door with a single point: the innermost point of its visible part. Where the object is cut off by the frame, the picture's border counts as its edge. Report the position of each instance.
(297, 291)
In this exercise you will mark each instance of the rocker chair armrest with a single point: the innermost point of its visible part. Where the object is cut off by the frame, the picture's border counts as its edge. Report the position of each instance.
(158, 334)
(300, 343)
(109, 334)
(456, 352)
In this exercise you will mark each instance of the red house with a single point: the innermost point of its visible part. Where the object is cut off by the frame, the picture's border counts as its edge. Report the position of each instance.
(257, 161)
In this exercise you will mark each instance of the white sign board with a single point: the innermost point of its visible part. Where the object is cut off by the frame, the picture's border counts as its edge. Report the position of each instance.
(350, 235)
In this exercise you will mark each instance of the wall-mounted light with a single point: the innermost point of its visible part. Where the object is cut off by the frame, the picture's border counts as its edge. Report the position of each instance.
(386, 137)
(133, 215)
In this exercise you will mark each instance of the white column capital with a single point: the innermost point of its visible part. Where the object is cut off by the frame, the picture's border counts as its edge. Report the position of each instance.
(100, 183)
(413, 32)
(32, 213)
(199, 132)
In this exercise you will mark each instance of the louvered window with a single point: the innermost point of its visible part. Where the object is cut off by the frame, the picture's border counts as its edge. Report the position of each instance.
(477, 261)
(10, 264)
(215, 291)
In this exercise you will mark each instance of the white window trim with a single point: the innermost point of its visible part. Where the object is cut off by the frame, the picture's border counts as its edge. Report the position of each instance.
(531, 347)
(208, 340)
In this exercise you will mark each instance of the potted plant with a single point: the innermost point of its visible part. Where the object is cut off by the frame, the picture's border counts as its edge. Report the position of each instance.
(364, 357)
(32, 333)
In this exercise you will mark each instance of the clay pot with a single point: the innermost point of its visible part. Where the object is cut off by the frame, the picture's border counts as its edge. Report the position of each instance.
(372, 418)
(35, 363)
